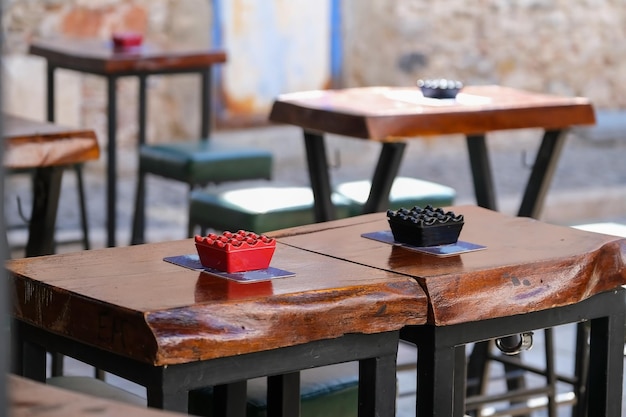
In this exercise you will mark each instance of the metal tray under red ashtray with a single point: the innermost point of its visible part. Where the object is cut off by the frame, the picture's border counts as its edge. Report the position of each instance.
(235, 252)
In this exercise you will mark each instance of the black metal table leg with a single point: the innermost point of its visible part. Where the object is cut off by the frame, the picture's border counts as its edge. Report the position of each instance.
(319, 176)
(436, 380)
(139, 217)
(111, 159)
(50, 92)
(229, 400)
(283, 395)
(206, 118)
(542, 173)
(46, 190)
(606, 364)
(481, 171)
(386, 171)
(581, 369)
(167, 398)
(377, 386)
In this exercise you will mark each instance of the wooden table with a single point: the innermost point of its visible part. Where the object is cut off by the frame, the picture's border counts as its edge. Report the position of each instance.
(99, 57)
(171, 329)
(393, 115)
(48, 149)
(27, 398)
(530, 276)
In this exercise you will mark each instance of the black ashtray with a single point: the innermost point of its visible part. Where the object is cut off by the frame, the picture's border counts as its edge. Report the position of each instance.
(440, 88)
(426, 226)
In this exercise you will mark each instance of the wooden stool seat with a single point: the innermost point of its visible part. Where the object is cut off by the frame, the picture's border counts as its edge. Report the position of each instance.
(405, 192)
(259, 209)
(205, 162)
(197, 164)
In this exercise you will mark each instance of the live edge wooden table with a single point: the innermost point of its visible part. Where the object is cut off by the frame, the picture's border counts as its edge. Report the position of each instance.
(392, 115)
(530, 276)
(46, 148)
(94, 56)
(171, 329)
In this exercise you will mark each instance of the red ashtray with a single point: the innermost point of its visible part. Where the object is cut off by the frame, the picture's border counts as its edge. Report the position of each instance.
(235, 252)
(125, 40)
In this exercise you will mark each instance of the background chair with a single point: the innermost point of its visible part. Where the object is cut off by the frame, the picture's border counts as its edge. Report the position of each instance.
(196, 164)
(271, 208)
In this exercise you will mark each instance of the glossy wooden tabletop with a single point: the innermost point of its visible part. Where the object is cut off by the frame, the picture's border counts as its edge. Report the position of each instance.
(100, 57)
(32, 144)
(385, 113)
(527, 265)
(129, 301)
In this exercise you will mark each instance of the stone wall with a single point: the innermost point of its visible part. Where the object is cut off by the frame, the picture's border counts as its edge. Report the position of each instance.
(81, 98)
(557, 46)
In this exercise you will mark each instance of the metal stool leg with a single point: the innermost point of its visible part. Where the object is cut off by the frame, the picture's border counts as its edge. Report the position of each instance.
(139, 219)
(78, 169)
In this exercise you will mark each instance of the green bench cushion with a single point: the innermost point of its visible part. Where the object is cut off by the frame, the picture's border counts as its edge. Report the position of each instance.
(259, 209)
(405, 192)
(204, 162)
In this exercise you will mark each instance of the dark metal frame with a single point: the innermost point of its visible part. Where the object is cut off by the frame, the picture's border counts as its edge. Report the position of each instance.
(168, 387)
(389, 164)
(441, 358)
(206, 105)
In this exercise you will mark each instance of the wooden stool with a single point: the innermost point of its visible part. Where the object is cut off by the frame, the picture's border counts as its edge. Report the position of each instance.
(405, 192)
(197, 164)
(260, 209)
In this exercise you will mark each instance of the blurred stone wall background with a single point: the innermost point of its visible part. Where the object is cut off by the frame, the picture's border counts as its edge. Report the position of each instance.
(555, 46)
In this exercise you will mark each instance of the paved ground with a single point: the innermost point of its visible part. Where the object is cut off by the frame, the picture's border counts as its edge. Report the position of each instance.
(589, 186)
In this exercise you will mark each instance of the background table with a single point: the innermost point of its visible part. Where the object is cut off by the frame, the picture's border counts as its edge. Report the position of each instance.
(531, 275)
(392, 115)
(48, 149)
(27, 398)
(172, 329)
(100, 58)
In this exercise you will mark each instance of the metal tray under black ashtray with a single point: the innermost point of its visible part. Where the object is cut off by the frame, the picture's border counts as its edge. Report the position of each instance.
(440, 88)
(426, 226)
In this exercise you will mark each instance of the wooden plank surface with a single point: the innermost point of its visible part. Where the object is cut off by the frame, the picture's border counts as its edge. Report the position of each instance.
(390, 113)
(129, 301)
(28, 398)
(100, 57)
(33, 144)
(527, 265)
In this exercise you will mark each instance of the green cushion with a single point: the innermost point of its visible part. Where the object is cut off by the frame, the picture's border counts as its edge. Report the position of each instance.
(324, 392)
(259, 209)
(405, 192)
(203, 162)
